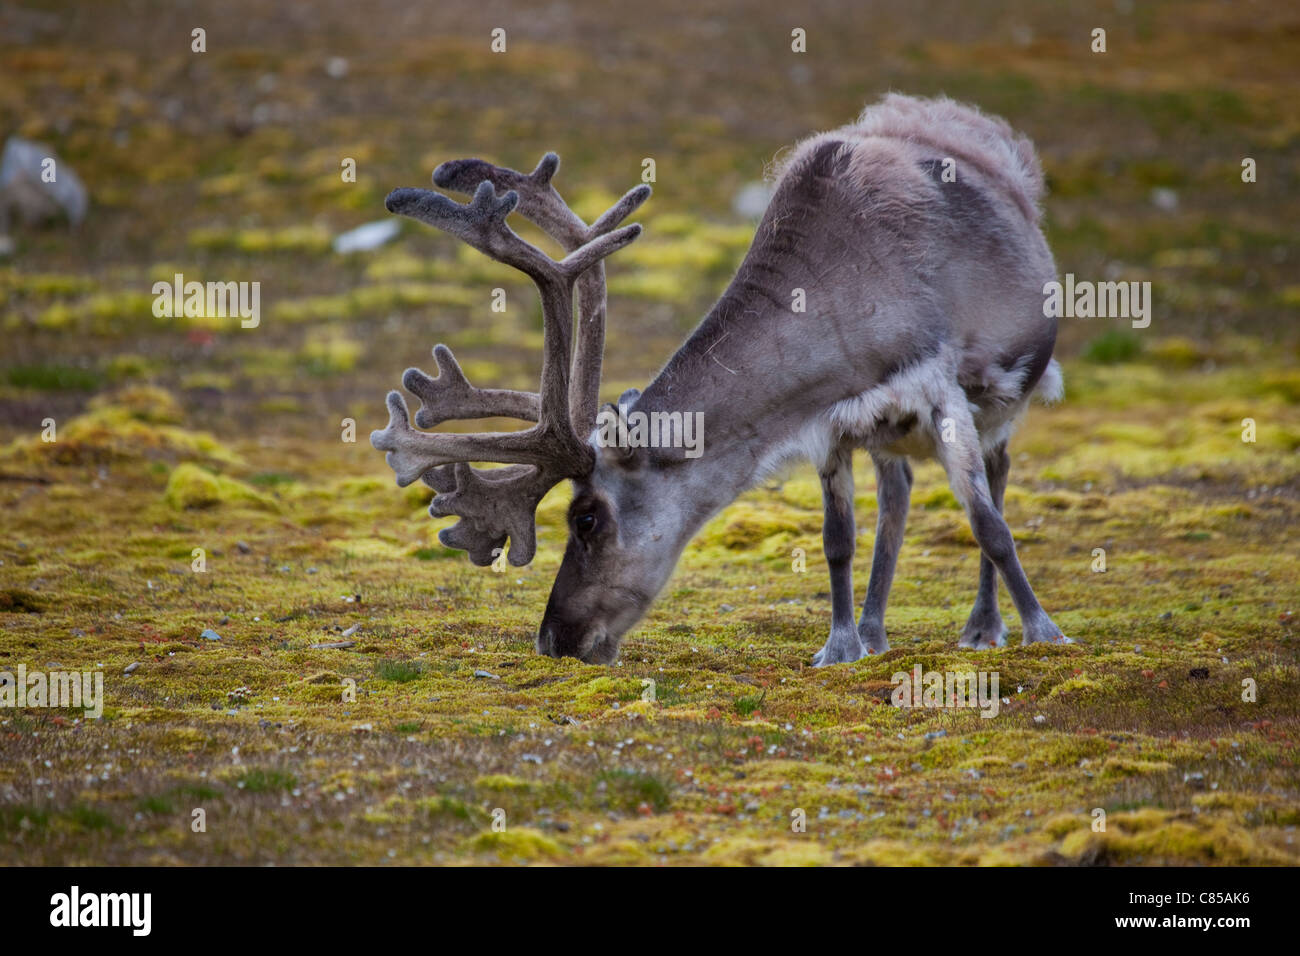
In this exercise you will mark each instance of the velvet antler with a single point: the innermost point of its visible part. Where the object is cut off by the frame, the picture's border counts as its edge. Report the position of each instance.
(496, 504)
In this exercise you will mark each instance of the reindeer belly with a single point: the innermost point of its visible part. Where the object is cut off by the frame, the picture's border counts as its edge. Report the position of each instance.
(897, 416)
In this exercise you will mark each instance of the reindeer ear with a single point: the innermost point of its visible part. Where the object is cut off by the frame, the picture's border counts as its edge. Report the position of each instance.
(611, 433)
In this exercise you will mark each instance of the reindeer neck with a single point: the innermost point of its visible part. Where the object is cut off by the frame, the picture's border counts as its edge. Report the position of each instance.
(756, 384)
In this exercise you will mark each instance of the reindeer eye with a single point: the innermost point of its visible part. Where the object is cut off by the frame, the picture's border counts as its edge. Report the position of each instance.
(585, 523)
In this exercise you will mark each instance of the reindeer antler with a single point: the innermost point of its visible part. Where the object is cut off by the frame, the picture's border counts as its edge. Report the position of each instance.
(497, 504)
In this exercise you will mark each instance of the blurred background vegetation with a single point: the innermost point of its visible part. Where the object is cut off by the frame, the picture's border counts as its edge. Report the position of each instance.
(226, 165)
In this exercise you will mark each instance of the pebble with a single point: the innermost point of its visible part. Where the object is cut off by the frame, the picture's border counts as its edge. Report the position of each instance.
(22, 176)
(486, 674)
(332, 645)
(1039, 719)
(130, 668)
(210, 635)
(352, 630)
(365, 238)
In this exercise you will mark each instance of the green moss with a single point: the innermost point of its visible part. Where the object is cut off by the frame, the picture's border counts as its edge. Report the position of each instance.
(19, 601)
(262, 780)
(515, 844)
(257, 241)
(1112, 346)
(53, 377)
(192, 487)
(399, 671)
(502, 782)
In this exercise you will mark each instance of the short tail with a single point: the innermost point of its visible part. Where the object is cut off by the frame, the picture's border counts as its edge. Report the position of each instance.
(1051, 386)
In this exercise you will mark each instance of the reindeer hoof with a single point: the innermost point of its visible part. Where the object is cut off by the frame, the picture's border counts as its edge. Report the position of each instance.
(840, 648)
(980, 635)
(872, 636)
(1044, 632)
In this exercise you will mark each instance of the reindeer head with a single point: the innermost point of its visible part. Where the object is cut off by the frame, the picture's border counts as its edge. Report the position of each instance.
(605, 582)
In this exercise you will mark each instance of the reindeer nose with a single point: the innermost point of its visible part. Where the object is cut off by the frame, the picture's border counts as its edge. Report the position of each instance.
(546, 642)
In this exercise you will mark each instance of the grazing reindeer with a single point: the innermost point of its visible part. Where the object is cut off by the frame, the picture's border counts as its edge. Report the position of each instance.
(914, 236)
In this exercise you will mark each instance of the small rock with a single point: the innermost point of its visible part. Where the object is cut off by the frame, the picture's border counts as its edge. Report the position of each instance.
(210, 635)
(23, 189)
(352, 630)
(486, 674)
(131, 668)
(724, 608)
(332, 645)
(1039, 719)
(1164, 199)
(751, 200)
(243, 547)
(370, 236)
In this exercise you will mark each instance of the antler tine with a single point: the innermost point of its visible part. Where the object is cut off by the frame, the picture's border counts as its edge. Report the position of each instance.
(492, 505)
(481, 223)
(411, 453)
(539, 203)
(451, 396)
(542, 205)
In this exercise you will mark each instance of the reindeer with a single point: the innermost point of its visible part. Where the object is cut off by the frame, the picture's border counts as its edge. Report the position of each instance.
(914, 235)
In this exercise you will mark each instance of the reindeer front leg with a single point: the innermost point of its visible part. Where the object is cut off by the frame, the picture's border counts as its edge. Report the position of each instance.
(838, 542)
(893, 496)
